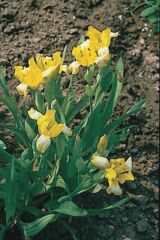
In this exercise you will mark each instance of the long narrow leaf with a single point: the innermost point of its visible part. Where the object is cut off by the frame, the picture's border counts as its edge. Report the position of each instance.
(10, 195)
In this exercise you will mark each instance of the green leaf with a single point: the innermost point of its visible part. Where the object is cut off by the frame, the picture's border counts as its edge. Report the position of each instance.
(29, 130)
(80, 164)
(11, 192)
(119, 120)
(5, 156)
(105, 77)
(83, 102)
(97, 188)
(112, 100)
(71, 209)
(59, 182)
(20, 134)
(81, 40)
(3, 83)
(2, 145)
(120, 68)
(60, 146)
(94, 212)
(68, 103)
(11, 103)
(39, 101)
(33, 228)
(148, 11)
(90, 90)
(89, 74)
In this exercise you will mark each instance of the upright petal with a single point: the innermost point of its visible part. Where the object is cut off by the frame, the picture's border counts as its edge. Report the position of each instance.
(128, 163)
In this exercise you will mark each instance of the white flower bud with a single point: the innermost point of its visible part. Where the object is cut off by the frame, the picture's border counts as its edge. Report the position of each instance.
(33, 114)
(100, 162)
(22, 89)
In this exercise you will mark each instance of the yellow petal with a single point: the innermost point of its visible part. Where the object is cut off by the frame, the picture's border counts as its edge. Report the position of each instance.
(102, 144)
(33, 114)
(43, 143)
(22, 89)
(55, 130)
(46, 122)
(110, 173)
(100, 162)
(51, 72)
(122, 178)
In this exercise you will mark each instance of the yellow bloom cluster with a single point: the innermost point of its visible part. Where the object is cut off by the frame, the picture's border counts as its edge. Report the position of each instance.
(39, 69)
(48, 128)
(95, 49)
(116, 170)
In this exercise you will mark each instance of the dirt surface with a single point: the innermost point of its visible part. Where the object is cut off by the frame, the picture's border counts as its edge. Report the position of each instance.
(31, 26)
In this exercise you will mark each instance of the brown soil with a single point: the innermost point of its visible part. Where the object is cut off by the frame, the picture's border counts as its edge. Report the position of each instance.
(31, 26)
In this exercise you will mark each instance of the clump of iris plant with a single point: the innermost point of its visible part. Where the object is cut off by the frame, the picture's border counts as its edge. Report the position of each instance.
(55, 160)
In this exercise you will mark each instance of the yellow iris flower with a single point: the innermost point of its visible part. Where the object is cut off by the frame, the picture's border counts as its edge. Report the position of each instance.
(95, 49)
(39, 69)
(99, 39)
(117, 171)
(85, 53)
(48, 128)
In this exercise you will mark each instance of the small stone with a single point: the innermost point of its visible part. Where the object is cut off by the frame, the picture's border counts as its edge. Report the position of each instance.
(73, 31)
(110, 231)
(130, 232)
(142, 225)
(124, 219)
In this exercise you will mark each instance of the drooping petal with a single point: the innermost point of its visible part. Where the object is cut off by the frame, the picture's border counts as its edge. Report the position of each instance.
(22, 89)
(114, 188)
(33, 114)
(43, 143)
(100, 162)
